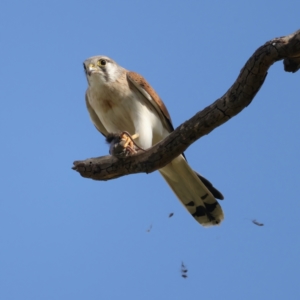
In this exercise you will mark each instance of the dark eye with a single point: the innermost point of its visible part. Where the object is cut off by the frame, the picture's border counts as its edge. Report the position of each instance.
(102, 62)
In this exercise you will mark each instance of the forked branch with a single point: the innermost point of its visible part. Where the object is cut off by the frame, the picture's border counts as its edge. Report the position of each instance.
(239, 96)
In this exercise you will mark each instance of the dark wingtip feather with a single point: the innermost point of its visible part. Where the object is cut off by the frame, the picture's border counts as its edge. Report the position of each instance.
(217, 194)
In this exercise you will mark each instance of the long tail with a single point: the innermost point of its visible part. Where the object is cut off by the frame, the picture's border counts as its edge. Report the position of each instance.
(194, 191)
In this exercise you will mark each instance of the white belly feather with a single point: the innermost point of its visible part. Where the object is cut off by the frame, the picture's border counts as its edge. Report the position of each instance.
(127, 113)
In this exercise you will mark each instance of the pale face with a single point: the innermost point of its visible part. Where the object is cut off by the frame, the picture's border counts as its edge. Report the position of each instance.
(101, 69)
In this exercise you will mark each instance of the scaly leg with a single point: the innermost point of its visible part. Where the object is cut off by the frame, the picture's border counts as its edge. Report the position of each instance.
(129, 141)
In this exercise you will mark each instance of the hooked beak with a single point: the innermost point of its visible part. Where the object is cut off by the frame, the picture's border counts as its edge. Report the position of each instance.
(90, 69)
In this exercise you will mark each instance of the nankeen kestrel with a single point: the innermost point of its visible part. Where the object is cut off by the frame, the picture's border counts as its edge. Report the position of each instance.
(119, 100)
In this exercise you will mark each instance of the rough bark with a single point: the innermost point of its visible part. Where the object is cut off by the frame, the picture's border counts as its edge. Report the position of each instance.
(239, 96)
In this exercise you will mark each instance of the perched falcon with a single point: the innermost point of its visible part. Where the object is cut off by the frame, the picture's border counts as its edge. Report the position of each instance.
(119, 100)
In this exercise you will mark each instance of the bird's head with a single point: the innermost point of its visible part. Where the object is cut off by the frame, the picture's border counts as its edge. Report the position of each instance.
(101, 70)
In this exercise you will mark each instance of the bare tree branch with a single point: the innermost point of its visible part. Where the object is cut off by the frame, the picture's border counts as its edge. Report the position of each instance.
(291, 64)
(239, 96)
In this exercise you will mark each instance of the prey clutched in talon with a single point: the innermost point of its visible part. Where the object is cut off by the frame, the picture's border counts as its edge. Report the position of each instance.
(129, 143)
(122, 144)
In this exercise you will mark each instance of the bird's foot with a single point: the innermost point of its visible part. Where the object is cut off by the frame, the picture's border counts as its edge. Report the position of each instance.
(129, 143)
(122, 144)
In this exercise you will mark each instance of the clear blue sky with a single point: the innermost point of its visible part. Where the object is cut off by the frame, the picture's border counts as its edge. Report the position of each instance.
(66, 237)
